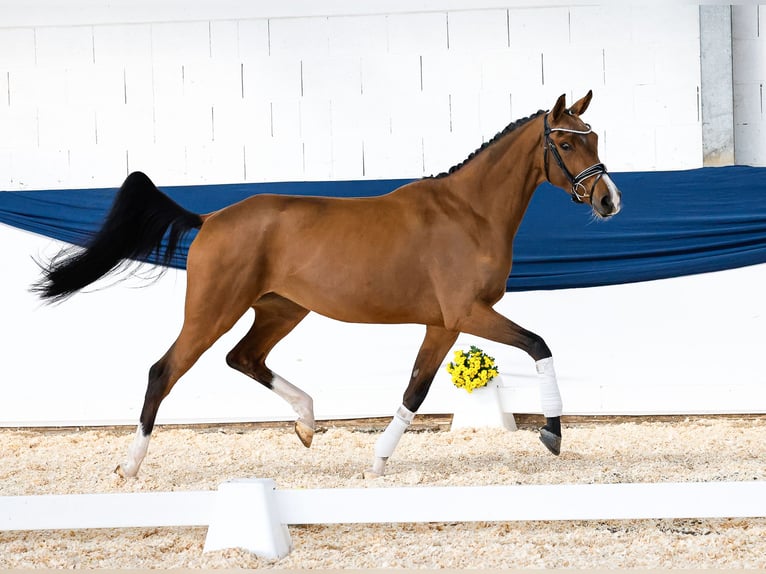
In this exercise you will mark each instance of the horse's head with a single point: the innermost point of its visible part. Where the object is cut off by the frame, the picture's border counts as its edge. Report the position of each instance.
(571, 158)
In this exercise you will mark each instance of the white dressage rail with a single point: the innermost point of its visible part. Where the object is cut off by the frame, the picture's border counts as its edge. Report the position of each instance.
(254, 515)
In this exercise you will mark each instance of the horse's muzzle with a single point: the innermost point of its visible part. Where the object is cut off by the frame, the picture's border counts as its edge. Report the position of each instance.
(610, 202)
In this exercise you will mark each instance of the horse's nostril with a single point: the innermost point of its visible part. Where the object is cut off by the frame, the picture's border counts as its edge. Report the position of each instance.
(606, 203)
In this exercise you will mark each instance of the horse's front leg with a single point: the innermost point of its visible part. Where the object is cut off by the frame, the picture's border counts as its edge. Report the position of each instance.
(434, 348)
(487, 323)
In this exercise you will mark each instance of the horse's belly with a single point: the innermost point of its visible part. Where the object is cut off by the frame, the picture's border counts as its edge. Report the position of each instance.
(366, 301)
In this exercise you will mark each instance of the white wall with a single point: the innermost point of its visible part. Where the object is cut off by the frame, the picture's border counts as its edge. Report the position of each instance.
(215, 93)
(688, 345)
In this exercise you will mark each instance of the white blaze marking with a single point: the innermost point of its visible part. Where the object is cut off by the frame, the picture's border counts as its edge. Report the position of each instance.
(614, 193)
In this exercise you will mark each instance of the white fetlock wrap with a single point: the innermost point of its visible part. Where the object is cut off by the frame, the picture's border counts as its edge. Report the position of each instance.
(386, 444)
(550, 398)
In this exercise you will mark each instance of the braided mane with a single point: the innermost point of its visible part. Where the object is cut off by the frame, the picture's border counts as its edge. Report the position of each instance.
(499, 135)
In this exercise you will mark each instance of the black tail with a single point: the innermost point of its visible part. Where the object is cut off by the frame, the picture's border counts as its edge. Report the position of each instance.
(134, 229)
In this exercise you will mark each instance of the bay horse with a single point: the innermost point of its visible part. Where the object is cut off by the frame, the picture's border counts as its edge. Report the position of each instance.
(435, 252)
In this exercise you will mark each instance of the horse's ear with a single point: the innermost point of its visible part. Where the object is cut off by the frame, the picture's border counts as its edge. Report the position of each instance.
(559, 108)
(579, 107)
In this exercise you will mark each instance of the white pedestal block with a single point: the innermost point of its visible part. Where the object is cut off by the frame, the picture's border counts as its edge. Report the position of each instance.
(481, 409)
(246, 516)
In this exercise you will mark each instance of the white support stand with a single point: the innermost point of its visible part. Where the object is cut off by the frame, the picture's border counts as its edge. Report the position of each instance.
(246, 516)
(482, 409)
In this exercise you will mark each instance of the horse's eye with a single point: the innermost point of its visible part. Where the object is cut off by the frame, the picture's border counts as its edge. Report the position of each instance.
(565, 146)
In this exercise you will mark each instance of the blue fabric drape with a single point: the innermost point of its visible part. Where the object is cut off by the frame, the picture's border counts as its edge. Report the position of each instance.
(672, 223)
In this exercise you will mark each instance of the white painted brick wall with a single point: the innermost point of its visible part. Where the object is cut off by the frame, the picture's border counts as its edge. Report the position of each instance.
(360, 116)
(299, 37)
(357, 35)
(180, 42)
(212, 82)
(449, 72)
(167, 82)
(387, 73)
(63, 126)
(315, 118)
(497, 70)
(419, 115)
(17, 48)
(274, 159)
(123, 125)
(286, 119)
(122, 44)
(347, 156)
(494, 112)
(242, 122)
(348, 96)
(534, 29)
(252, 39)
(64, 46)
(110, 160)
(416, 33)
(475, 31)
(442, 152)
(224, 41)
(39, 168)
(271, 77)
(219, 162)
(393, 154)
(749, 54)
(182, 121)
(139, 84)
(317, 158)
(37, 86)
(331, 76)
(19, 127)
(95, 85)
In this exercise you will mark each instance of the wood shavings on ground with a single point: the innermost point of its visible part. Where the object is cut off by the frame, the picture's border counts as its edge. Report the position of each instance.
(698, 449)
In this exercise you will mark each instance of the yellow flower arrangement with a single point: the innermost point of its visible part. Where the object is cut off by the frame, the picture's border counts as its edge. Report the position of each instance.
(472, 370)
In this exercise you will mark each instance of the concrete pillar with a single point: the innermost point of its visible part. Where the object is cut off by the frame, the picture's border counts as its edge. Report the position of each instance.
(716, 90)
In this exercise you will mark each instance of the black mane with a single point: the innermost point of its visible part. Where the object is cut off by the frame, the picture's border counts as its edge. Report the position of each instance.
(504, 132)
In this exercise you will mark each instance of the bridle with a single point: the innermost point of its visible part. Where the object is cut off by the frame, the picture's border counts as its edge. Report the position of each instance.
(598, 170)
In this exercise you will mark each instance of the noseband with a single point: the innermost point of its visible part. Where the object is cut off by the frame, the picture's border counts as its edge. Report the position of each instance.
(598, 170)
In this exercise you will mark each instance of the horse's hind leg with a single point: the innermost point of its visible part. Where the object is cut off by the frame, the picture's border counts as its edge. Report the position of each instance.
(275, 317)
(197, 335)
(435, 346)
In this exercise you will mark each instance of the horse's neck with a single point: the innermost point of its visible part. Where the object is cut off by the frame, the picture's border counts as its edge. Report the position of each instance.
(499, 181)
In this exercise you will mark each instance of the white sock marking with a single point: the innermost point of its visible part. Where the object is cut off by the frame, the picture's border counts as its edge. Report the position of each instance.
(302, 403)
(136, 453)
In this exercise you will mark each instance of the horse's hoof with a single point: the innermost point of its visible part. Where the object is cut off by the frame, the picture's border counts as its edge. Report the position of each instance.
(120, 471)
(304, 432)
(551, 441)
(377, 469)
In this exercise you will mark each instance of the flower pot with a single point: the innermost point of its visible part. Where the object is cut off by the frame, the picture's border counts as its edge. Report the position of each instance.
(481, 408)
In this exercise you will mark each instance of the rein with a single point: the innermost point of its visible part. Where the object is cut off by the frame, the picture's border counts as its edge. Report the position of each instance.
(598, 170)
